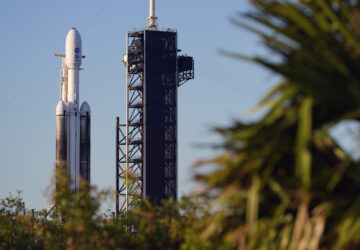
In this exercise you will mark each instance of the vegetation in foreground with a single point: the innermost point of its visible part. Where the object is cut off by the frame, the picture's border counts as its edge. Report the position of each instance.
(282, 183)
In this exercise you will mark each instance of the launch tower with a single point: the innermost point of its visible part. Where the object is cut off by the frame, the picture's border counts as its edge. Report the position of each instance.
(146, 145)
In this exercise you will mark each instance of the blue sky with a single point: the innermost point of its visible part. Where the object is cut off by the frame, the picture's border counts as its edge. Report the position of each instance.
(32, 31)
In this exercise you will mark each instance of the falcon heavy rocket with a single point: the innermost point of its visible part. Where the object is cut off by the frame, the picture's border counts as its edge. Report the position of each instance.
(72, 123)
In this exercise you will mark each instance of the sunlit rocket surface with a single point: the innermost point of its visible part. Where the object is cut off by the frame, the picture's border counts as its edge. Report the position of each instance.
(72, 122)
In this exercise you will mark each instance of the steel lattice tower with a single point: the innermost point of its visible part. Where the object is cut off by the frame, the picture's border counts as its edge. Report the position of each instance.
(146, 145)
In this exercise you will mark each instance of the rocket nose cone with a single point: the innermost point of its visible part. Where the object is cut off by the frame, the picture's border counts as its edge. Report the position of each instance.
(60, 108)
(73, 34)
(85, 109)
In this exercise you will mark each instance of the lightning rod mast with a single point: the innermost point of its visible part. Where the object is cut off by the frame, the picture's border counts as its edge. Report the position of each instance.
(152, 19)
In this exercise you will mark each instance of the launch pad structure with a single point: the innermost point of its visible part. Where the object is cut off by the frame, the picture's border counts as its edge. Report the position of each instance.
(146, 145)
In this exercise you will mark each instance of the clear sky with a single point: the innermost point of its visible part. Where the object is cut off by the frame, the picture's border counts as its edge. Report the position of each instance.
(32, 31)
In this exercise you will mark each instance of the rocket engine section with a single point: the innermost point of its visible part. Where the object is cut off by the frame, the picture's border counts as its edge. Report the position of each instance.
(72, 123)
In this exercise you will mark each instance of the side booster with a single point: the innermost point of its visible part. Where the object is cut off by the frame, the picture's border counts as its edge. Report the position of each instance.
(72, 123)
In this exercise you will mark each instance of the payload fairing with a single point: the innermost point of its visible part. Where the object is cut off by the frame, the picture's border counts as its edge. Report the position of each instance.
(72, 123)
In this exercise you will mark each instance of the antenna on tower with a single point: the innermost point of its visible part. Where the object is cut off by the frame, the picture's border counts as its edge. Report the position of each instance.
(152, 19)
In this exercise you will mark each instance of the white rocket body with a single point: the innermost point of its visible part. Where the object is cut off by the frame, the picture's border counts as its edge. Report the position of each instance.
(68, 114)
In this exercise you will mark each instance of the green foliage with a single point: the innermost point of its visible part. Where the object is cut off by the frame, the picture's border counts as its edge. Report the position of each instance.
(76, 224)
(16, 228)
(284, 183)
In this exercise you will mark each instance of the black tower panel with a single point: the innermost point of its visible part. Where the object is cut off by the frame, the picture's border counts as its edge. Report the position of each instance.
(160, 115)
(185, 63)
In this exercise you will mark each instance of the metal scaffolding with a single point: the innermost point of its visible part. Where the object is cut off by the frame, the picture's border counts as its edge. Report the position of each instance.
(153, 71)
(129, 142)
